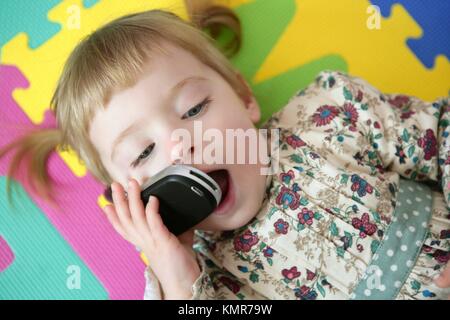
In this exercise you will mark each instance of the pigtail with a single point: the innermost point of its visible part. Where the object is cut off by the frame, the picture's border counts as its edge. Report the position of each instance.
(33, 149)
(218, 21)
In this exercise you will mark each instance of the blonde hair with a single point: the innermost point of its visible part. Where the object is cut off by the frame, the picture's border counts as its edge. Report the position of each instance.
(111, 59)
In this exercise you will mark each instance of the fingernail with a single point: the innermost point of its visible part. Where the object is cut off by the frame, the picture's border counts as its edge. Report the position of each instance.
(130, 182)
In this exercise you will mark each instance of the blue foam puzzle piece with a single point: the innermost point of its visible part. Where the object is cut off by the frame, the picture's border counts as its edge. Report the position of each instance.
(89, 3)
(27, 16)
(30, 16)
(434, 19)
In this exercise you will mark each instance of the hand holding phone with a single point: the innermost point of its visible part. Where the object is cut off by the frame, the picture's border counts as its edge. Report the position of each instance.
(171, 258)
(186, 196)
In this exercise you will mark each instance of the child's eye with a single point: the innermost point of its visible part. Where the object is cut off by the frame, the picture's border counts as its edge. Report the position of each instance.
(197, 109)
(144, 154)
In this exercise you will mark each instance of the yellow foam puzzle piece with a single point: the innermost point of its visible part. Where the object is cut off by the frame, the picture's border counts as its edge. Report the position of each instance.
(232, 3)
(380, 56)
(102, 201)
(144, 258)
(42, 66)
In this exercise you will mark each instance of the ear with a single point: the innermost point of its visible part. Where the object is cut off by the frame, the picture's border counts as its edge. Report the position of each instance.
(250, 102)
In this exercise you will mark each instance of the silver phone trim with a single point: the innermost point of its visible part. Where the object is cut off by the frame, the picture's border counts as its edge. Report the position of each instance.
(184, 170)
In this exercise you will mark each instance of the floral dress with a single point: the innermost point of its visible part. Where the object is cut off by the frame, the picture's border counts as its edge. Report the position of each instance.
(360, 207)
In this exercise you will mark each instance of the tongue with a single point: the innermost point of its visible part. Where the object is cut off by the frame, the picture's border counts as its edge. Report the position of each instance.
(221, 178)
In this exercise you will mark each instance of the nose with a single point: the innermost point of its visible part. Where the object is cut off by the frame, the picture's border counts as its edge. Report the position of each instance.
(185, 158)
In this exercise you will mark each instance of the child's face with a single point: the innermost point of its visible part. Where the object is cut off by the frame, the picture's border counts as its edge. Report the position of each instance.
(157, 112)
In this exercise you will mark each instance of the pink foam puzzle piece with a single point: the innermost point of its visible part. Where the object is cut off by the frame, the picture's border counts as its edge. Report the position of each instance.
(6, 255)
(81, 222)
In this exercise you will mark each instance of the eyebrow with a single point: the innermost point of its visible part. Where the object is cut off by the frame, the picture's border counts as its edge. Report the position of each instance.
(130, 129)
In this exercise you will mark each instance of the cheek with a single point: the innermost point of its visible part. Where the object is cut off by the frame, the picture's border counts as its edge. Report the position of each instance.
(230, 109)
(230, 116)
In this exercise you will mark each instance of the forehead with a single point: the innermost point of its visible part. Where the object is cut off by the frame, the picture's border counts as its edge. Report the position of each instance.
(171, 64)
(160, 73)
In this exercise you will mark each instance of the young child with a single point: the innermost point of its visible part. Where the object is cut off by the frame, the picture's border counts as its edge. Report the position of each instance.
(346, 217)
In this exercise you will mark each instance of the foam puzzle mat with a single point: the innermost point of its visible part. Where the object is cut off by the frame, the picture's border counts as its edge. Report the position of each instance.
(402, 48)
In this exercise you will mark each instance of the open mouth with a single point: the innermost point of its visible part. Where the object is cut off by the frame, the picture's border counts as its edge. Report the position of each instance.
(223, 179)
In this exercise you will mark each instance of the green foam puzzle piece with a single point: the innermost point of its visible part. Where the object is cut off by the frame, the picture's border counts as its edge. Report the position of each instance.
(263, 24)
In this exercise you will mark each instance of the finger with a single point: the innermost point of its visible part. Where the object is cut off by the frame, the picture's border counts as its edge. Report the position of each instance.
(443, 280)
(121, 206)
(157, 228)
(114, 220)
(136, 206)
(187, 240)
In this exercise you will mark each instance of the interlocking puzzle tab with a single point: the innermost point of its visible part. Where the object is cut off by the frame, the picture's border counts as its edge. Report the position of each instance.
(27, 16)
(378, 55)
(433, 18)
(6, 254)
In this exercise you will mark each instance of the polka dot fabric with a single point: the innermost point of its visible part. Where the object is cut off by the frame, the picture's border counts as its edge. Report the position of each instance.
(401, 245)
